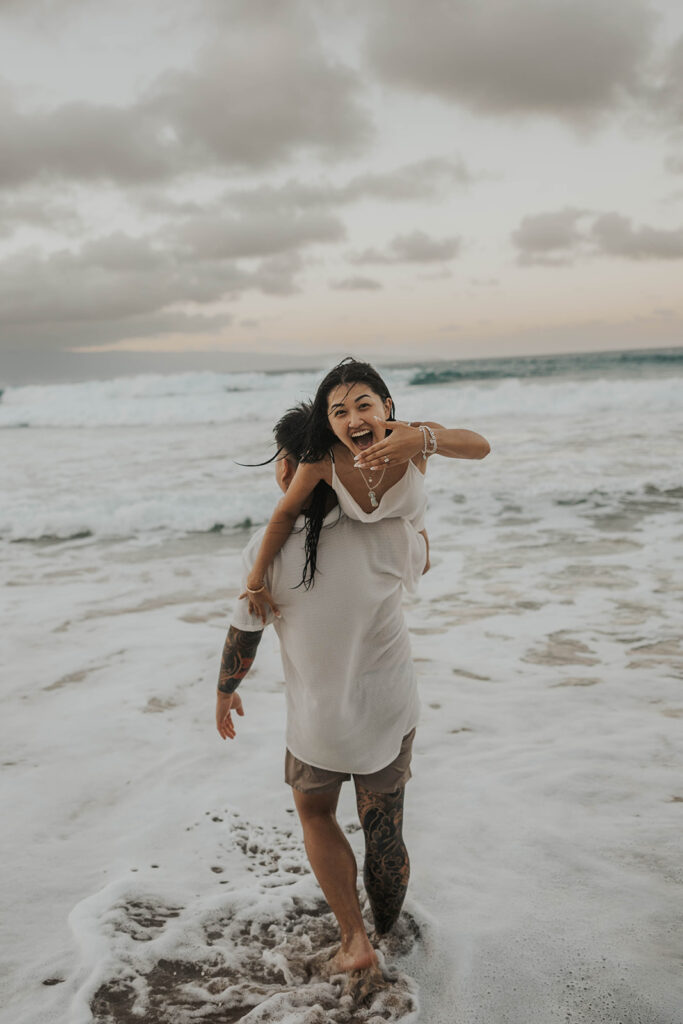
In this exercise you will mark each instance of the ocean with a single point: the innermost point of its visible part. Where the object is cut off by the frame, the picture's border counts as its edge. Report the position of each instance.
(543, 817)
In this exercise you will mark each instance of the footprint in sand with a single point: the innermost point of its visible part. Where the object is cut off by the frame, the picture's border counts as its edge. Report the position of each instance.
(257, 956)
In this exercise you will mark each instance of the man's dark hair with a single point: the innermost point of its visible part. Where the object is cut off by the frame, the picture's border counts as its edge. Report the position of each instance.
(291, 431)
(291, 437)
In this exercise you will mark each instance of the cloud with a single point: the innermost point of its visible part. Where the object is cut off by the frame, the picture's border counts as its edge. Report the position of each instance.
(212, 236)
(674, 164)
(667, 96)
(261, 92)
(37, 212)
(417, 247)
(431, 178)
(118, 287)
(356, 284)
(550, 238)
(559, 237)
(423, 179)
(615, 236)
(569, 59)
(85, 142)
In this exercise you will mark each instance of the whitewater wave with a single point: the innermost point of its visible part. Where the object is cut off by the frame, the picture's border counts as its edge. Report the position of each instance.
(238, 398)
(156, 519)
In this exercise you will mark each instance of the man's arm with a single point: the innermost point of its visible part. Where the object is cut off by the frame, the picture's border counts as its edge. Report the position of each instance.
(239, 651)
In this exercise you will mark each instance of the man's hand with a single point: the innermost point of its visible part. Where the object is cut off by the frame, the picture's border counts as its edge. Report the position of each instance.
(226, 703)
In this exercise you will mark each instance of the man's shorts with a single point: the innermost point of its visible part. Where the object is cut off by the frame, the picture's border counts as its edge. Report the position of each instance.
(308, 779)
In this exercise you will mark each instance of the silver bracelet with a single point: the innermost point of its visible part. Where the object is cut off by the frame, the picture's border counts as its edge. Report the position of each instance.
(434, 441)
(422, 427)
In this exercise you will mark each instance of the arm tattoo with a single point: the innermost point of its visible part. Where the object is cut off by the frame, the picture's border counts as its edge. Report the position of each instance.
(387, 867)
(239, 652)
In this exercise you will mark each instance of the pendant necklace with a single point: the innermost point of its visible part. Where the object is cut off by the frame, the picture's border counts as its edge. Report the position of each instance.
(371, 490)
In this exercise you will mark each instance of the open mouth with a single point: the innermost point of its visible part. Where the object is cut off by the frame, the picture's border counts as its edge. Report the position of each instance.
(363, 440)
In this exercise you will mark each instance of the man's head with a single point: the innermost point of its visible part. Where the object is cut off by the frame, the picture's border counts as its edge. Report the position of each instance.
(290, 436)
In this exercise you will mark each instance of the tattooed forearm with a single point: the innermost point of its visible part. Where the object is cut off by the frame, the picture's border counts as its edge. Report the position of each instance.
(239, 651)
(387, 867)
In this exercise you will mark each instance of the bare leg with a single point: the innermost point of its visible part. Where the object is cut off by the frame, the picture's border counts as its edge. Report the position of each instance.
(334, 865)
(387, 867)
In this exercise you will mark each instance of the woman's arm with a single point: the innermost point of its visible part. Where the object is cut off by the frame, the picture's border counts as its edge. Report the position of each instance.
(279, 528)
(406, 442)
(456, 443)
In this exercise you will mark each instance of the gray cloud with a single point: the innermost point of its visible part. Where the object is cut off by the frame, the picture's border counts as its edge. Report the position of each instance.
(68, 334)
(570, 58)
(261, 92)
(674, 164)
(85, 142)
(416, 247)
(558, 237)
(616, 236)
(37, 212)
(424, 179)
(243, 237)
(119, 287)
(356, 284)
(549, 238)
(431, 178)
(667, 96)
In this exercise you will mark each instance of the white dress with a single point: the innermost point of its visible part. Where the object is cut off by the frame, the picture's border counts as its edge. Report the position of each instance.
(350, 682)
(406, 499)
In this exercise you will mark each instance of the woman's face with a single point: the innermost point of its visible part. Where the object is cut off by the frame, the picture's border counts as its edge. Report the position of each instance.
(351, 412)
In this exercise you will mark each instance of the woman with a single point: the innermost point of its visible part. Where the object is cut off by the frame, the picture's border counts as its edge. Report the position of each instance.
(374, 463)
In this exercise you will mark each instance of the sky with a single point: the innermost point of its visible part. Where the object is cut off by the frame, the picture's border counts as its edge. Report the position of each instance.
(190, 183)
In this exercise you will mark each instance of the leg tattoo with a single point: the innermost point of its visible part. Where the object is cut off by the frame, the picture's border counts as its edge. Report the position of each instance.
(387, 867)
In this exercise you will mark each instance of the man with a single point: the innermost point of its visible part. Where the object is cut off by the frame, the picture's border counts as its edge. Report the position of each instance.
(352, 704)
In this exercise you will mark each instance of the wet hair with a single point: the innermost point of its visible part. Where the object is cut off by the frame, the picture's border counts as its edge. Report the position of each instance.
(350, 371)
(291, 437)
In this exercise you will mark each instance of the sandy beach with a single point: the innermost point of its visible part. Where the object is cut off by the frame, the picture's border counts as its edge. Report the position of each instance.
(153, 872)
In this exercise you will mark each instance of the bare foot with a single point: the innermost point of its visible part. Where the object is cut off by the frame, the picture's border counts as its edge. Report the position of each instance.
(356, 956)
(362, 985)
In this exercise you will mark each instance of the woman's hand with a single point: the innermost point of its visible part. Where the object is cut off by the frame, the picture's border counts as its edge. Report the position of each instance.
(401, 445)
(260, 602)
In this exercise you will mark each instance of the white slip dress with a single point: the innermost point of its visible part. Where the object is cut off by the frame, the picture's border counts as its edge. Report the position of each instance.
(406, 499)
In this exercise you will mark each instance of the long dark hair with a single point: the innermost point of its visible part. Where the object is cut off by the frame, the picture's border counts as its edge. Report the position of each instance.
(291, 437)
(319, 440)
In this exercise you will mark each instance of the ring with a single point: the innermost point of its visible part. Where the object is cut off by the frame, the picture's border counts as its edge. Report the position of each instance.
(386, 458)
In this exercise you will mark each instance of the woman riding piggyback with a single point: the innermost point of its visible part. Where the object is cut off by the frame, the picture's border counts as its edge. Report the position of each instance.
(374, 463)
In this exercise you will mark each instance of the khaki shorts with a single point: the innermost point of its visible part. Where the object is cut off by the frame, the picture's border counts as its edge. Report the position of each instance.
(308, 779)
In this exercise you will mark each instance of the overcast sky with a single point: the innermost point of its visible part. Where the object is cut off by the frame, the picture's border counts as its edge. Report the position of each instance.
(399, 178)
